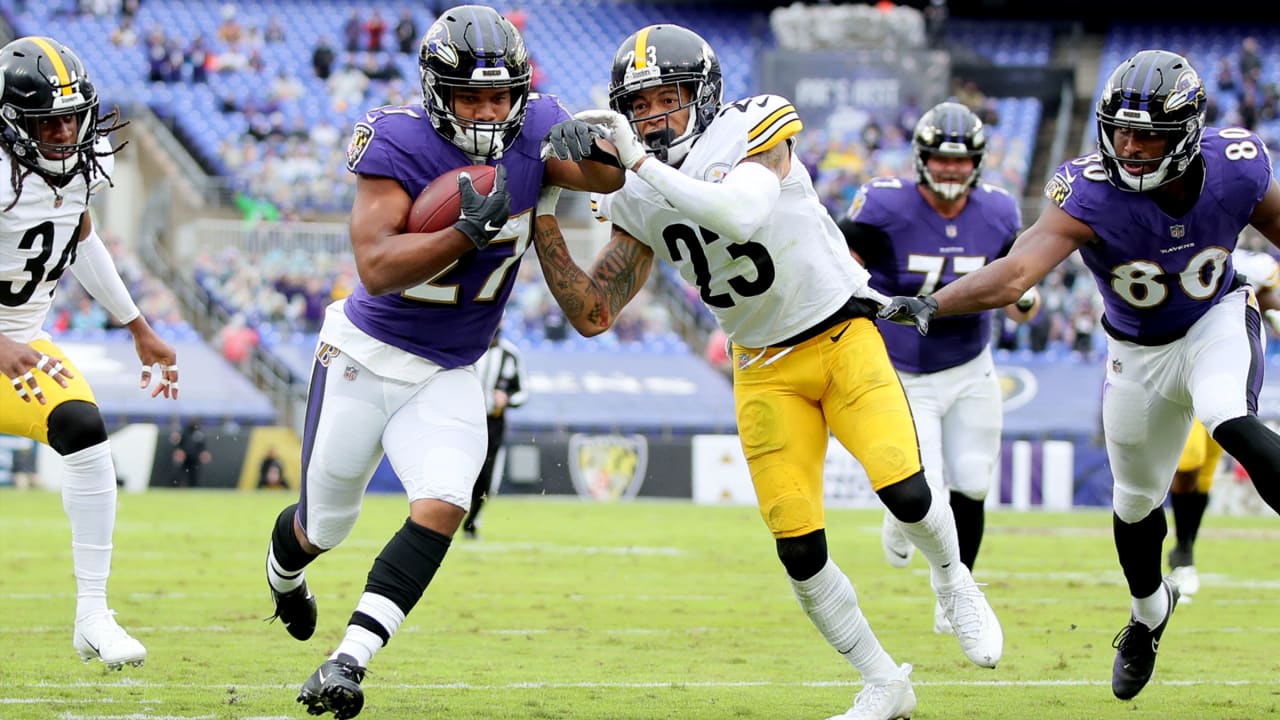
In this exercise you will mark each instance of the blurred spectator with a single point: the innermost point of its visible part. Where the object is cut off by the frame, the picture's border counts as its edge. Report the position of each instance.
(190, 454)
(157, 56)
(238, 341)
(229, 31)
(352, 30)
(407, 33)
(124, 36)
(128, 8)
(88, 315)
(717, 352)
(286, 87)
(1224, 76)
(198, 58)
(1250, 61)
(322, 58)
(271, 472)
(375, 26)
(347, 87)
(275, 31)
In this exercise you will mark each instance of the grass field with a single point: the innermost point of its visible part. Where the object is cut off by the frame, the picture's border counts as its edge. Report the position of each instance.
(641, 611)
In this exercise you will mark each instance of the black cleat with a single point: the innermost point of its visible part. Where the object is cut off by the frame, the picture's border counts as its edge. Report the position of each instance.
(297, 610)
(334, 687)
(1136, 646)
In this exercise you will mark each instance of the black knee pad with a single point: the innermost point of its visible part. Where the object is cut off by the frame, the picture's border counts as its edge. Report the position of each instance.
(75, 425)
(908, 500)
(803, 556)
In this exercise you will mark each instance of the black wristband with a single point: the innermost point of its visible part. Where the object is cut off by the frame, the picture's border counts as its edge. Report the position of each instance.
(602, 156)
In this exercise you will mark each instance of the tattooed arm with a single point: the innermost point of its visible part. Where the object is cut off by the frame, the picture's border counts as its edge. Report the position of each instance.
(591, 301)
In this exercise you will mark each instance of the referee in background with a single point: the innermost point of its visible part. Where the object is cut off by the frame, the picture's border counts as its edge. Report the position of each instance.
(501, 373)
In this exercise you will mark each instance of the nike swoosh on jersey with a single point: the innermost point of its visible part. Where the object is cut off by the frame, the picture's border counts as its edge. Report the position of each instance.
(836, 338)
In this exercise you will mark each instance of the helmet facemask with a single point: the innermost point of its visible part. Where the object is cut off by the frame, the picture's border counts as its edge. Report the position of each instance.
(949, 130)
(20, 128)
(668, 55)
(471, 48)
(480, 140)
(1158, 92)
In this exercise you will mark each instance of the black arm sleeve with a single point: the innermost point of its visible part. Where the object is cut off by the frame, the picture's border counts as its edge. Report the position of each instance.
(870, 242)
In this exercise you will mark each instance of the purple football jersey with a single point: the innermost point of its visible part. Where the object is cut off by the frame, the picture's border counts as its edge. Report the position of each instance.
(1159, 274)
(923, 251)
(450, 319)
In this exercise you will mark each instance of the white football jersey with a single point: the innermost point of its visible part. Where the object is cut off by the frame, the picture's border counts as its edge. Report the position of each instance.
(1262, 270)
(791, 274)
(38, 238)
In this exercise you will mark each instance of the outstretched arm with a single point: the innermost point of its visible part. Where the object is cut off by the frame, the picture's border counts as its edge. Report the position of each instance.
(735, 207)
(1037, 251)
(591, 301)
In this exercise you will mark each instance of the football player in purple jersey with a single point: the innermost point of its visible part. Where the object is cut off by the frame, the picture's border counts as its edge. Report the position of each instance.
(1155, 214)
(915, 235)
(394, 368)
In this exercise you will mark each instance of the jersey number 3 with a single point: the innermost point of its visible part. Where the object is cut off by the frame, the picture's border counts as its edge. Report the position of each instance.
(15, 295)
(677, 235)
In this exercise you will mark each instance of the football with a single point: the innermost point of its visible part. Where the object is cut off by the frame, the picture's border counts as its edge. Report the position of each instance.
(439, 205)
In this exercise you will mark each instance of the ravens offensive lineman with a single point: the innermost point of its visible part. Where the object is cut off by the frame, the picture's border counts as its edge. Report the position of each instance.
(914, 236)
(394, 368)
(1155, 215)
(55, 157)
(724, 199)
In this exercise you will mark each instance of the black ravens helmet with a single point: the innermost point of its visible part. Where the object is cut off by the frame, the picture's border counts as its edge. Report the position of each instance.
(949, 129)
(1154, 91)
(668, 55)
(42, 84)
(473, 47)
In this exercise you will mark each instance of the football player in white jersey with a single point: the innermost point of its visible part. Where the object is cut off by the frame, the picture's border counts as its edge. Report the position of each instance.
(1189, 494)
(717, 192)
(55, 157)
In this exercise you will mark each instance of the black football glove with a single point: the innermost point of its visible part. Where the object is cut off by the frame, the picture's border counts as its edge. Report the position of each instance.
(574, 140)
(916, 311)
(483, 215)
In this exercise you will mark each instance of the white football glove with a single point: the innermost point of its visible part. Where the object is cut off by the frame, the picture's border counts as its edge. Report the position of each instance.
(630, 150)
(547, 200)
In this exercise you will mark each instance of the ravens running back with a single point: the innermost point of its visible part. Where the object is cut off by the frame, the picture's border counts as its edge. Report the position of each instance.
(723, 198)
(55, 157)
(1155, 215)
(394, 368)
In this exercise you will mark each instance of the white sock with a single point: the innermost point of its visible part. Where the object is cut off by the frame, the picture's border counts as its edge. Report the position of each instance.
(829, 600)
(89, 499)
(281, 580)
(935, 536)
(1150, 610)
(362, 644)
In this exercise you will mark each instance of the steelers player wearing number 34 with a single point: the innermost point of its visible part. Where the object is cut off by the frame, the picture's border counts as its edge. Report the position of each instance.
(55, 157)
(1155, 215)
(717, 191)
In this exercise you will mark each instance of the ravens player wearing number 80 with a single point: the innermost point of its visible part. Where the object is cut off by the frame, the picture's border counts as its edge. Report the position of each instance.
(724, 199)
(55, 157)
(1155, 215)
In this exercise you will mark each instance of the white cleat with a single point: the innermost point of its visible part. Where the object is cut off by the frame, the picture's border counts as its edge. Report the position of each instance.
(893, 700)
(897, 548)
(941, 625)
(974, 623)
(1187, 580)
(100, 636)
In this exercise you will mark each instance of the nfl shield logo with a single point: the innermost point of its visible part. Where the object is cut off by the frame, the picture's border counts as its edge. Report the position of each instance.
(1116, 366)
(1177, 231)
(350, 373)
(952, 232)
(607, 467)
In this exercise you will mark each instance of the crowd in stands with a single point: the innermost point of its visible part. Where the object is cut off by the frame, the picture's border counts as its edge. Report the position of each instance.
(74, 313)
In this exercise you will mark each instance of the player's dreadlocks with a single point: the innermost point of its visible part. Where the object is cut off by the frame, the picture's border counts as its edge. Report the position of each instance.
(89, 165)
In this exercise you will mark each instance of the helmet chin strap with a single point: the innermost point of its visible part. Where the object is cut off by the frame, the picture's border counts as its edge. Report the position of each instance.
(659, 141)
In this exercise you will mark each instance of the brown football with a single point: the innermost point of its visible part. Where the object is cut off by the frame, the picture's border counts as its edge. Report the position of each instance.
(439, 205)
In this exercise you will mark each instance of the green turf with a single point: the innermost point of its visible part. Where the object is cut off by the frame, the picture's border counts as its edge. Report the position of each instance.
(640, 611)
